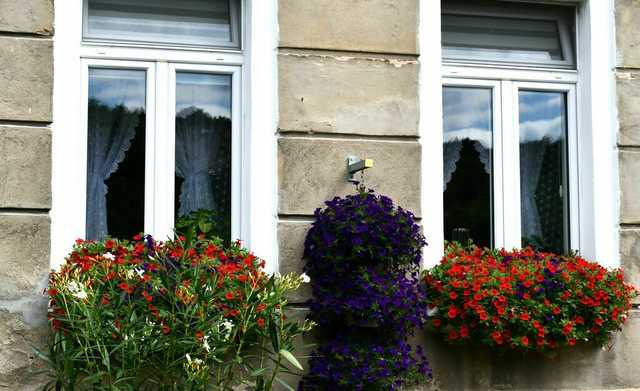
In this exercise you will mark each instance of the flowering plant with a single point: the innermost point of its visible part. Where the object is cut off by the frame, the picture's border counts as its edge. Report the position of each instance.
(343, 364)
(193, 315)
(363, 255)
(525, 300)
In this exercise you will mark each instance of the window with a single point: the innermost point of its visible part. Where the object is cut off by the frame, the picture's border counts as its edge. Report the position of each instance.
(510, 140)
(162, 133)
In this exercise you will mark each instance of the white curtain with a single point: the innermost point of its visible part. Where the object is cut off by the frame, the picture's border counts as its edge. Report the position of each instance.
(111, 130)
(451, 153)
(531, 159)
(197, 146)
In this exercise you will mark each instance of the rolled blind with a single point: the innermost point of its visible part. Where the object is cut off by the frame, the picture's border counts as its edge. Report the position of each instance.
(185, 22)
(503, 39)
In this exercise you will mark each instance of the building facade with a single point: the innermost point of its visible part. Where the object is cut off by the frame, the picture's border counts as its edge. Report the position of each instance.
(296, 87)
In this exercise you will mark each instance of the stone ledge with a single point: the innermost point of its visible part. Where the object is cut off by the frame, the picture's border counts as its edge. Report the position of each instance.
(313, 170)
(377, 26)
(351, 93)
(628, 96)
(27, 16)
(25, 168)
(26, 79)
(628, 33)
(629, 167)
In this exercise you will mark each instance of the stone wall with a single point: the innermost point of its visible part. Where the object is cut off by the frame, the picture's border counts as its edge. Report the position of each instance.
(26, 83)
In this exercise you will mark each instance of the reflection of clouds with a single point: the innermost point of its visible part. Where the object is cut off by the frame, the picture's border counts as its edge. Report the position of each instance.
(467, 114)
(114, 87)
(481, 135)
(211, 93)
(542, 116)
(466, 108)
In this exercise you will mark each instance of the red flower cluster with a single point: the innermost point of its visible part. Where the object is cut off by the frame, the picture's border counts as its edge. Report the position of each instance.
(525, 300)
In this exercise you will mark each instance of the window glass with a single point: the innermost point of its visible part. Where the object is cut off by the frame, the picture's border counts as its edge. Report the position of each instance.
(203, 148)
(506, 33)
(115, 153)
(185, 22)
(543, 170)
(468, 146)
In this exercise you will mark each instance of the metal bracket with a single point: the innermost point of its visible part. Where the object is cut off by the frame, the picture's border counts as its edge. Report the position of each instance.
(355, 164)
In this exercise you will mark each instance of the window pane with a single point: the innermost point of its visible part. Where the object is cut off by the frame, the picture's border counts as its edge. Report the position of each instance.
(186, 22)
(116, 153)
(468, 145)
(203, 148)
(503, 32)
(543, 170)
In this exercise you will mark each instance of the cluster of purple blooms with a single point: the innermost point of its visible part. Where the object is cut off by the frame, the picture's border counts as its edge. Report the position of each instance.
(363, 255)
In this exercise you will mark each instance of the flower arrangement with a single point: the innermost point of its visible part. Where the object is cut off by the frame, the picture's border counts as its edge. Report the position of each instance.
(525, 300)
(189, 315)
(363, 255)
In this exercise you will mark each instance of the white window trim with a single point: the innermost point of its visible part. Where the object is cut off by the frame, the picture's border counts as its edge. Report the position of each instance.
(599, 189)
(257, 72)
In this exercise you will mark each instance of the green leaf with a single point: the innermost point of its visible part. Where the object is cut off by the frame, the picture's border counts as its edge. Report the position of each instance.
(273, 333)
(284, 384)
(258, 372)
(287, 354)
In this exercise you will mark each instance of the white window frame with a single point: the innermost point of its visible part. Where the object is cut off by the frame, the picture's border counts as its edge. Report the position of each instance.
(253, 73)
(596, 125)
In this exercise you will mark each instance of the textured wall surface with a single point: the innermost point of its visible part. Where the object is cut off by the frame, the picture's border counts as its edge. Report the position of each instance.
(26, 83)
(347, 85)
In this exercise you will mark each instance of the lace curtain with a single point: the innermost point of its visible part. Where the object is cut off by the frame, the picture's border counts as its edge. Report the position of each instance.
(452, 155)
(111, 130)
(197, 146)
(531, 159)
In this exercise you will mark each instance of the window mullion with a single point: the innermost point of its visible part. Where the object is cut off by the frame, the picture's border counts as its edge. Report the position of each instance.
(510, 165)
(164, 157)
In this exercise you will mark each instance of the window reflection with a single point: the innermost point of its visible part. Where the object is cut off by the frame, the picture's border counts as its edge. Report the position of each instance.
(115, 153)
(543, 170)
(203, 148)
(467, 173)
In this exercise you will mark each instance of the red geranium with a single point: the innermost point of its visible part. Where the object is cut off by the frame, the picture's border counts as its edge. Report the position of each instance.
(551, 299)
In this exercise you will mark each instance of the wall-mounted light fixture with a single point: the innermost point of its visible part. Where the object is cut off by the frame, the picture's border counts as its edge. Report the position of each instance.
(355, 164)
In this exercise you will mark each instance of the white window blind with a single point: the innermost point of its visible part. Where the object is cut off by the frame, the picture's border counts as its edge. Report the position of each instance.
(541, 36)
(208, 23)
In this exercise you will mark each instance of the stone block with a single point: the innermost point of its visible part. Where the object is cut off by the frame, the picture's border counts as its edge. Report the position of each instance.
(291, 237)
(27, 16)
(628, 91)
(313, 170)
(629, 167)
(379, 26)
(25, 167)
(580, 368)
(26, 79)
(628, 33)
(20, 369)
(24, 255)
(630, 256)
(353, 94)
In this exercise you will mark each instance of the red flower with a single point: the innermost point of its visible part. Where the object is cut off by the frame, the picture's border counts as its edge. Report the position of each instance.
(525, 341)
(453, 295)
(437, 322)
(571, 341)
(453, 335)
(147, 296)
(105, 299)
(453, 312)
(165, 329)
(52, 292)
(464, 331)
(229, 295)
(260, 322)
(261, 307)
(524, 316)
(108, 244)
(199, 335)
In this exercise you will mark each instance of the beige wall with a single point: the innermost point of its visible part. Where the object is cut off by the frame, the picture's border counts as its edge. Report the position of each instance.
(26, 82)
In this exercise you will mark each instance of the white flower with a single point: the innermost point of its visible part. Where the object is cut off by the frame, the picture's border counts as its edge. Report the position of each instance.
(109, 256)
(227, 326)
(76, 290)
(188, 358)
(306, 279)
(130, 274)
(205, 344)
(198, 361)
(140, 272)
(81, 294)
